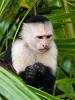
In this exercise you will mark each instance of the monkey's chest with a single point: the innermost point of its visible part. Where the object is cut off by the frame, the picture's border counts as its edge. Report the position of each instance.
(38, 57)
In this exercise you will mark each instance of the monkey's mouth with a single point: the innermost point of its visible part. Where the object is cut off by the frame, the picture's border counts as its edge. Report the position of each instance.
(44, 50)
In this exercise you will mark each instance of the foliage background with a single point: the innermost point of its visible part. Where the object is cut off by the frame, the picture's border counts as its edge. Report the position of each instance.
(62, 15)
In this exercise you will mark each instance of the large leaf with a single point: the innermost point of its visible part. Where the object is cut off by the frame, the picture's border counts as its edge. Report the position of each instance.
(66, 46)
(13, 88)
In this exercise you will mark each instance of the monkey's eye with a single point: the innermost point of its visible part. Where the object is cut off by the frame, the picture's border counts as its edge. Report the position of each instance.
(40, 37)
(49, 36)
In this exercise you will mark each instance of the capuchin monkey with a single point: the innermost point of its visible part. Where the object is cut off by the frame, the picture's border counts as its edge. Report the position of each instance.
(34, 53)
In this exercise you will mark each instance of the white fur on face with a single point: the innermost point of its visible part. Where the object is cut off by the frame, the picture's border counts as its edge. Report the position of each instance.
(23, 55)
(35, 29)
(30, 32)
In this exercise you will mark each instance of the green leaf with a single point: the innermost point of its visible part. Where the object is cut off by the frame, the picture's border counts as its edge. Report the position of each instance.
(40, 93)
(11, 32)
(12, 87)
(61, 16)
(66, 46)
(3, 6)
(67, 95)
(63, 81)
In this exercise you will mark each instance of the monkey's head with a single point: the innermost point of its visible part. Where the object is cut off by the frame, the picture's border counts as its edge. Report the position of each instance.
(38, 33)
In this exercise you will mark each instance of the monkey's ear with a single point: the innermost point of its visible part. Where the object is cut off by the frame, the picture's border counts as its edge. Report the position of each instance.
(28, 26)
(25, 25)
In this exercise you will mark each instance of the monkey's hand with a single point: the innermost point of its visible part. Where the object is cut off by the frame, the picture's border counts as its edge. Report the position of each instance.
(40, 69)
(30, 73)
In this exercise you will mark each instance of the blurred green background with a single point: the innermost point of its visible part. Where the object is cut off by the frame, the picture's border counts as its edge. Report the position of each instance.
(62, 15)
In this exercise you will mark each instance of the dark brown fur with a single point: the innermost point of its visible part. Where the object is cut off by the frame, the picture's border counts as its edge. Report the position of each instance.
(7, 65)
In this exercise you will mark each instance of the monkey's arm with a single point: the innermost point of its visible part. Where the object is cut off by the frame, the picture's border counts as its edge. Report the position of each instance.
(19, 56)
(7, 65)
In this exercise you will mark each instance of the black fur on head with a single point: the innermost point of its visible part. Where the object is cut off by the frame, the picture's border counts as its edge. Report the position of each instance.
(37, 18)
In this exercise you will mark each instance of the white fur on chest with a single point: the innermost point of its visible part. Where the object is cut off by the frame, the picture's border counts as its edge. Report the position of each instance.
(22, 57)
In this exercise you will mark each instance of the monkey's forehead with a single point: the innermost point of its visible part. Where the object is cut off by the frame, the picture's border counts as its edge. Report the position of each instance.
(38, 28)
(41, 28)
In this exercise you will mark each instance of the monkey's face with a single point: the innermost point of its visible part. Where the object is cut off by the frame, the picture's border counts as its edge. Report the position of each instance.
(40, 37)
(43, 43)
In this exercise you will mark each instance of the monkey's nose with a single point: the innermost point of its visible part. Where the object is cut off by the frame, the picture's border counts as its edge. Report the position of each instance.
(45, 46)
